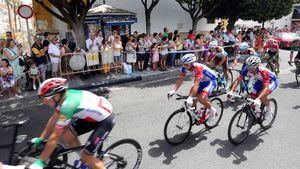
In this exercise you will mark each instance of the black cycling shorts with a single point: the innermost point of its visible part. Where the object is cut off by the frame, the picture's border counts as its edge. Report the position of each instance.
(101, 131)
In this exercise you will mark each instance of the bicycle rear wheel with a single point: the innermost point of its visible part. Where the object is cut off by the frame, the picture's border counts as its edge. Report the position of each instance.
(218, 105)
(239, 127)
(267, 123)
(123, 154)
(178, 127)
(297, 76)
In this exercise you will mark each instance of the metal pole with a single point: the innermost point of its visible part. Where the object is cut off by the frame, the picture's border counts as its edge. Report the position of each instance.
(28, 33)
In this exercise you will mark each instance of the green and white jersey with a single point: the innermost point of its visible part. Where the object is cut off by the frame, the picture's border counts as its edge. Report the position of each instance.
(84, 105)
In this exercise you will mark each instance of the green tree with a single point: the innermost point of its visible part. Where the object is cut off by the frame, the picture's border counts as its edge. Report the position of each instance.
(198, 9)
(72, 12)
(148, 9)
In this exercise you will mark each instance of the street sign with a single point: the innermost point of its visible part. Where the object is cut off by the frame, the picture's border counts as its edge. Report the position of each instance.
(25, 11)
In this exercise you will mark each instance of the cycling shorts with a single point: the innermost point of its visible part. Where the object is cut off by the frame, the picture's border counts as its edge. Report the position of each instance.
(101, 131)
(272, 55)
(206, 88)
(258, 86)
(224, 65)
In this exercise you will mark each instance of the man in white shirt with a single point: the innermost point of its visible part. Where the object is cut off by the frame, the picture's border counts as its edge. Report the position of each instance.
(55, 55)
(99, 38)
(92, 44)
(112, 37)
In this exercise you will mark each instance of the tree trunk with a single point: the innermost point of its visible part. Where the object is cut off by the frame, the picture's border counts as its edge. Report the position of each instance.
(79, 35)
(194, 24)
(263, 24)
(148, 22)
(231, 22)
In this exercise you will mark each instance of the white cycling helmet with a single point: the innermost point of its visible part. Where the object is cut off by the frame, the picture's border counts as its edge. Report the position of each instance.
(243, 46)
(188, 58)
(52, 86)
(253, 61)
(213, 44)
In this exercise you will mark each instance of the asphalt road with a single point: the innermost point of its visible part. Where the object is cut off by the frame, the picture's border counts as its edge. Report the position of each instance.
(142, 108)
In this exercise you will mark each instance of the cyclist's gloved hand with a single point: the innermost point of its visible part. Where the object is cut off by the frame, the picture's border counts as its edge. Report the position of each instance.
(229, 94)
(189, 101)
(171, 93)
(257, 102)
(38, 164)
(36, 141)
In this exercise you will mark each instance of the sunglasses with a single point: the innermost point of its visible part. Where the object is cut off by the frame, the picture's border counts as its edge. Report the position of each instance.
(250, 67)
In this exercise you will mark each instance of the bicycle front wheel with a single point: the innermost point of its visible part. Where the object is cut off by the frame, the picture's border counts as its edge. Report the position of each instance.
(178, 127)
(218, 105)
(123, 154)
(239, 127)
(267, 123)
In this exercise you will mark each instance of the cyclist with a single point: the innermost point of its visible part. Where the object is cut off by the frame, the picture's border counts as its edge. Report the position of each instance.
(76, 112)
(295, 47)
(265, 84)
(204, 83)
(220, 59)
(272, 49)
(244, 52)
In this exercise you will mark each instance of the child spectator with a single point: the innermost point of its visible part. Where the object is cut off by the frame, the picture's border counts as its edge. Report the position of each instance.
(155, 56)
(34, 75)
(6, 74)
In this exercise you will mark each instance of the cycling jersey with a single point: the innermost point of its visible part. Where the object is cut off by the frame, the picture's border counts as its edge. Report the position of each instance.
(271, 48)
(263, 74)
(220, 52)
(83, 105)
(201, 71)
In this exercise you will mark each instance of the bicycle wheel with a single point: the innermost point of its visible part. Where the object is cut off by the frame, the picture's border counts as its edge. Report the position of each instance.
(297, 76)
(30, 153)
(239, 127)
(230, 77)
(267, 123)
(178, 127)
(218, 105)
(123, 154)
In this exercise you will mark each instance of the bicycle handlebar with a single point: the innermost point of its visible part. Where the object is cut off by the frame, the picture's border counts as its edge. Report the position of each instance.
(181, 97)
(243, 98)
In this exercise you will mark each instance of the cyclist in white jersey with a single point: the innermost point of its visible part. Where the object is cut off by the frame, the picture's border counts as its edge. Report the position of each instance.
(76, 112)
(204, 84)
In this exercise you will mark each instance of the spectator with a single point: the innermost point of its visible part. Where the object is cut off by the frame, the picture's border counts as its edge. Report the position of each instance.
(141, 52)
(65, 55)
(2, 45)
(155, 56)
(166, 32)
(164, 53)
(117, 50)
(219, 26)
(131, 51)
(99, 38)
(6, 74)
(107, 59)
(92, 44)
(175, 35)
(55, 56)
(179, 47)
(148, 43)
(135, 35)
(189, 43)
(34, 75)
(125, 38)
(48, 65)
(39, 56)
(191, 35)
(112, 37)
(11, 53)
(172, 49)
(156, 38)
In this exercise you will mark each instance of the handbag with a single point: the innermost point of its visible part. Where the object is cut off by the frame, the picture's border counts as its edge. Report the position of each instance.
(21, 61)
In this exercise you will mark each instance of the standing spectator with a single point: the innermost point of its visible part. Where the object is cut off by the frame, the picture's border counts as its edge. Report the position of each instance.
(135, 35)
(107, 59)
(112, 37)
(65, 55)
(206, 53)
(189, 43)
(125, 38)
(117, 50)
(55, 56)
(175, 34)
(155, 56)
(2, 45)
(131, 51)
(11, 53)
(92, 44)
(166, 32)
(6, 74)
(156, 38)
(141, 52)
(164, 53)
(39, 56)
(191, 35)
(172, 49)
(219, 26)
(48, 65)
(179, 47)
(99, 38)
(148, 43)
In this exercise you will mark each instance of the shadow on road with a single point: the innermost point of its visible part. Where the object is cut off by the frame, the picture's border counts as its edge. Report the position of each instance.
(227, 149)
(234, 105)
(296, 107)
(291, 85)
(161, 147)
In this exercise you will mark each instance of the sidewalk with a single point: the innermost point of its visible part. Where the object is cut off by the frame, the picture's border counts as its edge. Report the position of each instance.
(29, 98)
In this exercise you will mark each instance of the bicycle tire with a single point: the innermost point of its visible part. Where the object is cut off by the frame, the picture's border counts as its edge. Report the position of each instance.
(120, 161)
(220, 114)
(230, 77)
(297, 76)
(185, 135)
(31, 151)
(244, 134)
(268, 125)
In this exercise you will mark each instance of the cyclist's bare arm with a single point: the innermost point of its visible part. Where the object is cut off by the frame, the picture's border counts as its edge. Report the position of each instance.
(234, 62)
(195, 87)
(52, 143)
(178, 82)
(222, 61)
(236, 83)
(50, 125)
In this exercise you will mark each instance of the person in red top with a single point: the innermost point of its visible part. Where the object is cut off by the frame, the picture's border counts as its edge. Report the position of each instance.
(272, 49)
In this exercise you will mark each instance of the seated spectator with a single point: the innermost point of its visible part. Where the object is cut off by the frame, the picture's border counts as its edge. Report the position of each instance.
(7, 82)
(34, 75)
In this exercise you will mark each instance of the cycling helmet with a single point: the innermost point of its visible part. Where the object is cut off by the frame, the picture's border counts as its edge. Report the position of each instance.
(243, 46)
(52, 86)
(253, 61)
(188, 58)
(213, 44)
